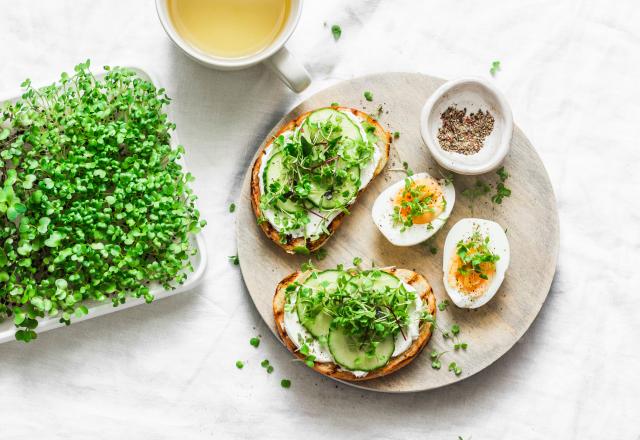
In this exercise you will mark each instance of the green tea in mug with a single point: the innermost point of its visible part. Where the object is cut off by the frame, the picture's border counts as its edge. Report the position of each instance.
(229, 28)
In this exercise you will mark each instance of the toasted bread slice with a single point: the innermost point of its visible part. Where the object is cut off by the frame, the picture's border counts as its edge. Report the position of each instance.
(291, 243)
(330, 369)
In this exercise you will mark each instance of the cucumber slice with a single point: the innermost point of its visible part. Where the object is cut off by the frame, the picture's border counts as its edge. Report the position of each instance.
(318, 325)
(291, 206)
(327, 193)
(349, 128)
(347, 353)
(385, 280)
(275, 172)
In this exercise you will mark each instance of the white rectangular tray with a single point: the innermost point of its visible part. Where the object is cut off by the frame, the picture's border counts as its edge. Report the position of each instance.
(199, 261)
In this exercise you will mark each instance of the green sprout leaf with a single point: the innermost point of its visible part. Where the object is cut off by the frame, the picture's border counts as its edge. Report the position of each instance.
(495, 66)
(336, 31)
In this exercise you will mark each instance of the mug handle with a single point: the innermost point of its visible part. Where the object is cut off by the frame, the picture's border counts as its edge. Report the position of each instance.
(289, 70)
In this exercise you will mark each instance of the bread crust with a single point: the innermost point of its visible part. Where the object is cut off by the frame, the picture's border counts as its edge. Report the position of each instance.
(291, 243)
(414, 279)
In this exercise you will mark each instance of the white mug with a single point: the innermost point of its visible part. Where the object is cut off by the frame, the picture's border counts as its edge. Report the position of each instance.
(276, 56)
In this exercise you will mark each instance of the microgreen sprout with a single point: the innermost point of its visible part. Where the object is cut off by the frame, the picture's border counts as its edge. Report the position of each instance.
(254, 342)
(309, 358)
(454, 367)
(479, 189)
(495, 66)
(233, 259)
(239, 365)
(368, 95)
(232, 207)
(436, 364)
(307, 266)
(336, 31)
(321, 254)
(503, 174)
(285, 383)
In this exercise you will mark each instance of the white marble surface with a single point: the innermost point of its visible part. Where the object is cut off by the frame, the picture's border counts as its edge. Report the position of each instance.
(570, 70)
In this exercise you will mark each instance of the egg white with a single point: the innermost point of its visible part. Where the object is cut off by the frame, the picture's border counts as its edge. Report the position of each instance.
(498, 244)
(382, 213)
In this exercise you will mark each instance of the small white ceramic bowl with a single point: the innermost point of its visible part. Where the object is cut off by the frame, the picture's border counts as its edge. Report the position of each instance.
(473, 94)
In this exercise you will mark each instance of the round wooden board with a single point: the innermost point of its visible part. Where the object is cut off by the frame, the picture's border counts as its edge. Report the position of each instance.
(529, 216)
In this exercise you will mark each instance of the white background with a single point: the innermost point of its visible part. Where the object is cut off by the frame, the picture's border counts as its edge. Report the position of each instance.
(570, 70)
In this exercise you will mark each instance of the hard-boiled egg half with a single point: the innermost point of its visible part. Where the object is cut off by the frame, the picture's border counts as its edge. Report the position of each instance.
(476, 257)
(413, 209)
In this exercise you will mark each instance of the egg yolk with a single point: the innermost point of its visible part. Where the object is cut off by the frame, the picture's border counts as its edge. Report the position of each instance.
(468, 280)
(425, 190)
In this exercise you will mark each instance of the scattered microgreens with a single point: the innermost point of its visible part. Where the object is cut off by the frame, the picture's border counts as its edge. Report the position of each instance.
(503, 174)
(406, 168)
(309, 359)
(475, 255)
(94, 204)
(320, 254)
(447, 178)
(442, 305)
(239, 365)
(481, 188)
(478, 190)
(501, 192)
(336, 31)
(232, 207)
(285, 383)
(454, 367)
(267, 366)
(334, 104)
(435, 359)
(308, 265)
(368, 95)
(357, 261)
(396, 134)
(495, 66)
(255, 342)
(433, 249)
(446, 335)
(234, 259)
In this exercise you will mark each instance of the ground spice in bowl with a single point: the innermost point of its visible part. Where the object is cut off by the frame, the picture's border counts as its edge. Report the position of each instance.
(462, 133)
